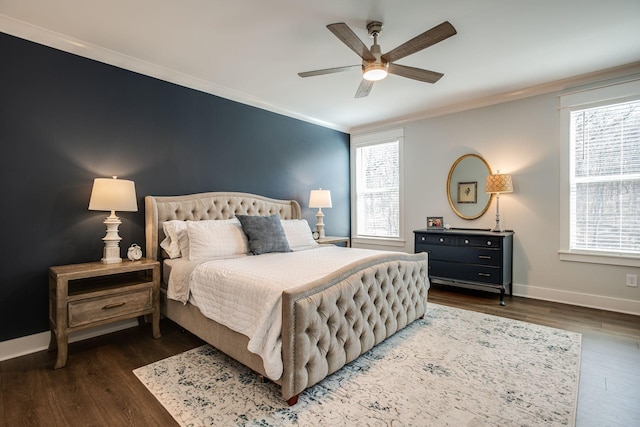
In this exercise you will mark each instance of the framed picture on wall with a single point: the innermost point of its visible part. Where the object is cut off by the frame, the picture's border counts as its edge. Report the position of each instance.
(435, 223)
(468, 192)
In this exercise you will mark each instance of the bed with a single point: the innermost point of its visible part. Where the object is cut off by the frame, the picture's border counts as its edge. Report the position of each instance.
(325, 323)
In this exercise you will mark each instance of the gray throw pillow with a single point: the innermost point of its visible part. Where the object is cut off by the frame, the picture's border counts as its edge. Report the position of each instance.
(265, 233)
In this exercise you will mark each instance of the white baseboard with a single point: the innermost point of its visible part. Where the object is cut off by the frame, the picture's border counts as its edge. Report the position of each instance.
(38, 342)
(575, 298)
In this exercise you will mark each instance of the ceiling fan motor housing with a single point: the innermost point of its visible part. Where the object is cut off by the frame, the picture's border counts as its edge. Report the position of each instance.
(374, 28)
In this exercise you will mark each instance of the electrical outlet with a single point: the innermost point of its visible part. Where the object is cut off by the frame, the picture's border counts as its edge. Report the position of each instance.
(632, 280)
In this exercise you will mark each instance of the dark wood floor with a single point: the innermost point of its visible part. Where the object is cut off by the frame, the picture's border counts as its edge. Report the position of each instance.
(98, 388)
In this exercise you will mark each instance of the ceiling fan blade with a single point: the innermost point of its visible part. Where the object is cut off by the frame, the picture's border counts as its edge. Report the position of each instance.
(364, 88)
(348, 37)
(424, 40)
(415, 73)
(330, 71)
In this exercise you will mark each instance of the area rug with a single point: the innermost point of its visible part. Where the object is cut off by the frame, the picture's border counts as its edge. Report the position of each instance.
(452, 368)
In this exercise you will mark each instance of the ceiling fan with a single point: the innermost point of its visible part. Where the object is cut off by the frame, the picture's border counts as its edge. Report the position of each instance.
(375, 66)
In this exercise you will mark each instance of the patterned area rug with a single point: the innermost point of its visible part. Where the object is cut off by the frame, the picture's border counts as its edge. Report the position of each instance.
(453, 368)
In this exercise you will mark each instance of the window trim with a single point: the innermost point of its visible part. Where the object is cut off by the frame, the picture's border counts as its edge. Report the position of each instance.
(374, 138)
(582, 99)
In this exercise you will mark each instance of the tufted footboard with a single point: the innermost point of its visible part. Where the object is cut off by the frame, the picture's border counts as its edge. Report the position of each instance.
(330, 323)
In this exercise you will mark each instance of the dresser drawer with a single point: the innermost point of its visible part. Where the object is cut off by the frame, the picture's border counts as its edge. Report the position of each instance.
(472, 255)
(465, 272)
(92, 310)
(453, 240)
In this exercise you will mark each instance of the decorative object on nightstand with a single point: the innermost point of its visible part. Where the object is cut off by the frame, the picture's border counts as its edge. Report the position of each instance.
(134, 253)
(320, 199)
(497, 184)
(113, 195)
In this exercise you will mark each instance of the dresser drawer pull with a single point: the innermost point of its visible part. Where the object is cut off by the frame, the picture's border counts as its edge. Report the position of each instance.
(114, 305)
(484, 274)
(484, 257)
(441, 240)
(423, 238)
(488, 242)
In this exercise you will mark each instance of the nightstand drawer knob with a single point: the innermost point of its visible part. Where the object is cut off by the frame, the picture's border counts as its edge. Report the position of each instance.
(114, 305)
(488, 242)
(441, 240)
(423, 238)
(466, 242)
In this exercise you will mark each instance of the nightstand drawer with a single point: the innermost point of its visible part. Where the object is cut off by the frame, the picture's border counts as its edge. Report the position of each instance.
(94, 310)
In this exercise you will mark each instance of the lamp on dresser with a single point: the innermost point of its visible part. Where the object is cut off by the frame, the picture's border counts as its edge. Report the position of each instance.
(497, 184)
(113, 194)
(320, 199)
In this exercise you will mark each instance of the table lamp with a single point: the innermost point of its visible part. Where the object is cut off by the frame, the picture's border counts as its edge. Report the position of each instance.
(113, 194)
(497, 184)
(320, 199)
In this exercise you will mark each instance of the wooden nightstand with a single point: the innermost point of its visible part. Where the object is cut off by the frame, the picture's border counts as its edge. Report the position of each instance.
(93, 294)
(332, 240)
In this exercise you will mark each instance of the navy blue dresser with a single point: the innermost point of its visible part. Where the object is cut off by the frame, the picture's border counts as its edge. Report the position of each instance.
(472, 258)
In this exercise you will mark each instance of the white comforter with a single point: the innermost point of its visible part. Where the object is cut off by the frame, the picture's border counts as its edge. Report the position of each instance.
(245, 293)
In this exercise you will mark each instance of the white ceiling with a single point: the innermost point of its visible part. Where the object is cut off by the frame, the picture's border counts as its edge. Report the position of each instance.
(251, 50)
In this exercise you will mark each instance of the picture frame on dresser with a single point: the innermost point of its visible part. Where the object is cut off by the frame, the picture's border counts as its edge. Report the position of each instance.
(435, 223)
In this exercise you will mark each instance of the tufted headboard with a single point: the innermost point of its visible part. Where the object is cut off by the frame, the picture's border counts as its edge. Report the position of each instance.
(202, 206)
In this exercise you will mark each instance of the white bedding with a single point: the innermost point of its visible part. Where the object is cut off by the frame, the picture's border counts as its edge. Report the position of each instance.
(245, 293)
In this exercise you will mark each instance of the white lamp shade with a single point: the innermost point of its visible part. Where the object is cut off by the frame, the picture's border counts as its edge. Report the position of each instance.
(499, 183)
(112, 194)
(320, 199)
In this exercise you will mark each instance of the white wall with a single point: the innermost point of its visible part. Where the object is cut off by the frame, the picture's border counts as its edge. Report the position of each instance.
(522, 138)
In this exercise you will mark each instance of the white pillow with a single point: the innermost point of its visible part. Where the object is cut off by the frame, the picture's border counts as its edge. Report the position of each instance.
(298, 234)
(216, 238)
(176, 242)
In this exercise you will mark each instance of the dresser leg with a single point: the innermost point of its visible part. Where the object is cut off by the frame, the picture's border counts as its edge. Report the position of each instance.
(502, 296)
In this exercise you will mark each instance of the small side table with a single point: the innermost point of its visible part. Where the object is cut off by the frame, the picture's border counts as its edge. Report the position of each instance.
(93, 294)
(332, 240)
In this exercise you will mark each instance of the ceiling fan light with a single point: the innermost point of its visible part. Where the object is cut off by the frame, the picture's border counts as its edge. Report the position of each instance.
(374, 72)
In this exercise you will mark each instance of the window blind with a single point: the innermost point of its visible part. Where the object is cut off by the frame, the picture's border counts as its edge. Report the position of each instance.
(605, 178)
(378, 190)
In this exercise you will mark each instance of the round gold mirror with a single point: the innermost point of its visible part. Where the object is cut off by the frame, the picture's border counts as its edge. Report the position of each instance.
(465, 186)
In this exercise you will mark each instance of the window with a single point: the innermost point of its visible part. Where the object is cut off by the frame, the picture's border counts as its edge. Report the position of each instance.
(376, 182)
(603, 174)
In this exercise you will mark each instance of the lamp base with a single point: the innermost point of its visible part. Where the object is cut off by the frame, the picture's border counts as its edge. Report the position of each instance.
(498, 228)
(111, 254)
(320, 223)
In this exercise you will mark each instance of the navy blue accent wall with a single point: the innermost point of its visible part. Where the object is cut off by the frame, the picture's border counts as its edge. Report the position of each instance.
(65, 120)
